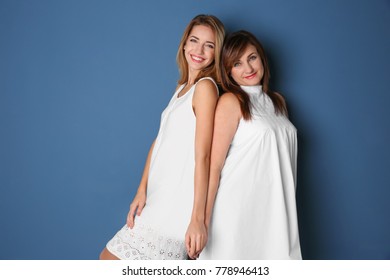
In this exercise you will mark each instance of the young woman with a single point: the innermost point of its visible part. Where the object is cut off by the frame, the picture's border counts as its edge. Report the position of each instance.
(166, 217)
(253, 162)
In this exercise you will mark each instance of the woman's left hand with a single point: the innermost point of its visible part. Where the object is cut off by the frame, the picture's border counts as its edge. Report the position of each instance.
(195, 239)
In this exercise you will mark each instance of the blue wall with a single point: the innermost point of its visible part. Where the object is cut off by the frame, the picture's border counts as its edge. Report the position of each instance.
(83, 83)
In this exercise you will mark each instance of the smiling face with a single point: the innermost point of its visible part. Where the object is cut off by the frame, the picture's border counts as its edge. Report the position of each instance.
(248, 70)
(199, 48)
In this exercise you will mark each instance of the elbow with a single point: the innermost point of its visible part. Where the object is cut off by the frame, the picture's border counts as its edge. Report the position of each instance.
(203, 159)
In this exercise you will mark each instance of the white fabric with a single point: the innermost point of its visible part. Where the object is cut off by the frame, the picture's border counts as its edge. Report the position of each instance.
(160, 230)
(254, 215)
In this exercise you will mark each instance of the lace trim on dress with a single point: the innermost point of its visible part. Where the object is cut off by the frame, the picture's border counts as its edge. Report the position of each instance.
(145, 243)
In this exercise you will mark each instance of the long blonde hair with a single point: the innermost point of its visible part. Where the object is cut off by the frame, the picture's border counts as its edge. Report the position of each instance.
(219, 32)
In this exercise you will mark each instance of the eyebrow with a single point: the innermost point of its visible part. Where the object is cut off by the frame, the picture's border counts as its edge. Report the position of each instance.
(198, 39)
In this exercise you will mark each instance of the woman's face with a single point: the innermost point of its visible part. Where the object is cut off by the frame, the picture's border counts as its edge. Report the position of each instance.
(199, 47)
(248, 70)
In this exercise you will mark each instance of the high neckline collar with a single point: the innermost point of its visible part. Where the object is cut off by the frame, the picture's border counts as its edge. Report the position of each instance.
(252, 89)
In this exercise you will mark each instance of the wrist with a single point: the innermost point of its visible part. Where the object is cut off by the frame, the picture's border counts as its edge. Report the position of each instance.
(141, 191)
(198, 219)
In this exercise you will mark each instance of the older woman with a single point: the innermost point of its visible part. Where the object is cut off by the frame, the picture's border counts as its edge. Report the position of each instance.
(251, 209)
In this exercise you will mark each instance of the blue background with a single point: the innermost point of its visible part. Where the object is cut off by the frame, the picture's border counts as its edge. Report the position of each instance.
(83, 83)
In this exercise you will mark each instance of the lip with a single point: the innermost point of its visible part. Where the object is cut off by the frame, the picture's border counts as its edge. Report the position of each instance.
(250, 76)
(196, 58)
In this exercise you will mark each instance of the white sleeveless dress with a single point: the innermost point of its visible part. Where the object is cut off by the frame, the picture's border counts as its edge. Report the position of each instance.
(159, 232)
(254, 215)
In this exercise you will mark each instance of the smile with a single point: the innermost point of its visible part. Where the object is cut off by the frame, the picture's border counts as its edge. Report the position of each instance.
(197, 59)
(251, 76)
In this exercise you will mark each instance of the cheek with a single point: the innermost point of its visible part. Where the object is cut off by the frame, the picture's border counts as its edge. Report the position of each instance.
(261, 69)
(235, 75)
(211, 54)
(261, 73)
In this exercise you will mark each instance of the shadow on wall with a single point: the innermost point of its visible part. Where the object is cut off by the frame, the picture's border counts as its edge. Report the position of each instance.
(308, 229)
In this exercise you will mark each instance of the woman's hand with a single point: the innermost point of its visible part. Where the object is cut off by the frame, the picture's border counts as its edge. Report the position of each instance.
(195, 239)
(138, 204)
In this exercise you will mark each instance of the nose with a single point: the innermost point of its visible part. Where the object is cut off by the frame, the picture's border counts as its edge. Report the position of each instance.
(248, 68)
(199, 48)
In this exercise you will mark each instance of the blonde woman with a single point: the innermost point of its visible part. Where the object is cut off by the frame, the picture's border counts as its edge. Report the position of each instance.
(166, 217)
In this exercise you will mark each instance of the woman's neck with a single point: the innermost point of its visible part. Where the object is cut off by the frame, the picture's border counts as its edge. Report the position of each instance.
(192, 75)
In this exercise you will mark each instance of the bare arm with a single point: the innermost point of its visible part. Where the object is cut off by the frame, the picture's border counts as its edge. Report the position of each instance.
(227, 118)
(204, 103)
(139, 200)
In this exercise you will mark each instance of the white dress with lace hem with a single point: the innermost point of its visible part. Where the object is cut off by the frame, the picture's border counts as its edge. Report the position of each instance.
(160, 230)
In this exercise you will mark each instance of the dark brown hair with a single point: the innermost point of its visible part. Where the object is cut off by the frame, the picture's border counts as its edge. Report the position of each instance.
(234, 47)
(219, 32)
